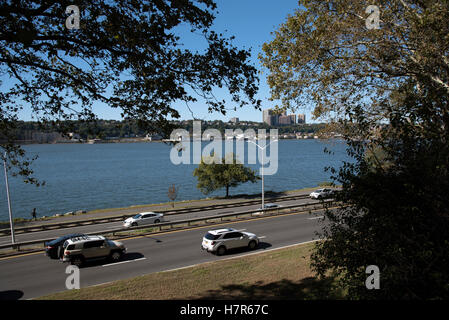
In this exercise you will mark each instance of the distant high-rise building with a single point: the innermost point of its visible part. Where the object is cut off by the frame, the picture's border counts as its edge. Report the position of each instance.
(287, 119)
(284, 120)
(292, 118)
(234, 120)
(301, 118)
(266, 116)
(270, 118)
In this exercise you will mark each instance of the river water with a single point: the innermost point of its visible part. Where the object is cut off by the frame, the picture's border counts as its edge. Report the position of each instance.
(97, 176)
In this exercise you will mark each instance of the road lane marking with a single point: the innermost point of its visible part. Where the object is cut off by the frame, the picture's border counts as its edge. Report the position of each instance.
(240, 256)
(113, 264)
(316, 218)
(23, 255)
(196, 228)
(262, 237)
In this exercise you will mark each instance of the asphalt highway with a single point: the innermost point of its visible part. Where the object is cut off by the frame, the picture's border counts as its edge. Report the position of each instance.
(35, 275)
(114, 225)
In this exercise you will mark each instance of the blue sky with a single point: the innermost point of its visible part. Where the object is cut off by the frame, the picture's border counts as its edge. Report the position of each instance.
(251, 22)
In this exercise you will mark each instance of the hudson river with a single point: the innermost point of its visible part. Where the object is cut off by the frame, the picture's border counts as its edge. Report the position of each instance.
(97, 176)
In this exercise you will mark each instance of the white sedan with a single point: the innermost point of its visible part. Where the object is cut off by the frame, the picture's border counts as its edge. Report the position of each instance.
(322, 193)
(143, 219)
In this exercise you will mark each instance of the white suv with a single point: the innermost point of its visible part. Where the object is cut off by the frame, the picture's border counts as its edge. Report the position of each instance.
(221, 240)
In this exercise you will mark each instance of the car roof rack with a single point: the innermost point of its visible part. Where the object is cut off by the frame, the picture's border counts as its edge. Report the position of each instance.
(230, 230)
(77, 238)
(224, 229)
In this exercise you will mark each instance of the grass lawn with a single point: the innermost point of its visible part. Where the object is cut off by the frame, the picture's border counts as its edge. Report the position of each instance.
(277, 274)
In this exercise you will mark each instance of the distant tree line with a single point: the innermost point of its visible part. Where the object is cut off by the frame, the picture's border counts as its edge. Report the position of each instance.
(86, 130)
(101, 129)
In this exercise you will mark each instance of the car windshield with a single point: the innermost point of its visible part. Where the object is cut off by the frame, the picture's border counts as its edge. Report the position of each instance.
(210, 236)
(137, 216)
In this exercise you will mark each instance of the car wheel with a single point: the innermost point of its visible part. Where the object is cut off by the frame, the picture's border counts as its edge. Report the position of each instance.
(133, 224)
(252, 245)
(77, 261)
(157, 221)
(116, 256)
(221, 251)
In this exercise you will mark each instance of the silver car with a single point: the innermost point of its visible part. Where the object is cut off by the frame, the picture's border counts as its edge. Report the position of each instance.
(81, 248)
(322, 193)
(144, 218)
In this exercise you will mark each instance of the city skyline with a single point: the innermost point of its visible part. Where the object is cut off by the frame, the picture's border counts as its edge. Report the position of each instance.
(271, 118)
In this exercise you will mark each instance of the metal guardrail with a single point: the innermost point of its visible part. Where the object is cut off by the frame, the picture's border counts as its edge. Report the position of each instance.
(271, 211)
(69, 224)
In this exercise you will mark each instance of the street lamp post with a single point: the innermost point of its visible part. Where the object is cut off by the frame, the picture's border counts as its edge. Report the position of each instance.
(263, 161)
(11, 222)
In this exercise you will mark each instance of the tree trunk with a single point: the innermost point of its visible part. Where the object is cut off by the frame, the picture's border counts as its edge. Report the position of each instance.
(227, 191)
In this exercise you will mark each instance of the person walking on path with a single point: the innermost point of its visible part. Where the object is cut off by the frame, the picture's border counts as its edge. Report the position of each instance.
(34, 213)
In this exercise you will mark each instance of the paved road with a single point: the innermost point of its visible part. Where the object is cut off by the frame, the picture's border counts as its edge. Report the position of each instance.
(35, 275)
(113, 225)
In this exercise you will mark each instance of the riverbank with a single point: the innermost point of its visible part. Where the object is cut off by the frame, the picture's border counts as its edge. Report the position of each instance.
(146, 140)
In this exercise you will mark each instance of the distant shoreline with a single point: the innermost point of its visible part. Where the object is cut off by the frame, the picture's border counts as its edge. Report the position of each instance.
(143, 140)
(135, 140)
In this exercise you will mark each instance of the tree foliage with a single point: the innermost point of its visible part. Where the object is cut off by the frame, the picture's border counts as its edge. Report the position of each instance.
(127, 54)
(388, 88)
(214, 174)
(324, 54)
